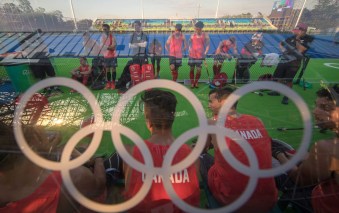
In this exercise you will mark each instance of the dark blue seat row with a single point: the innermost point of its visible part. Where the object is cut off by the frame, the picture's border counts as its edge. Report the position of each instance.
(71, 44)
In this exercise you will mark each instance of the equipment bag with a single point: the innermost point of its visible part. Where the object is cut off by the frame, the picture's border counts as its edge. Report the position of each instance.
(135, 72)
(147, 72)
(219, 80)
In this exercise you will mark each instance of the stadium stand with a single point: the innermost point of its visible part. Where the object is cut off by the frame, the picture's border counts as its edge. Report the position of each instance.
(212, 25)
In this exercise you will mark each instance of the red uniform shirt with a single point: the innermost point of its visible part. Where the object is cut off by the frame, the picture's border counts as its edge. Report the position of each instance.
(227, 184)
(325, 197)
(43, 199)
(176, 45)
(108, 41)
(225, 47)
(185, 183)
(198, 46)
(84, 68)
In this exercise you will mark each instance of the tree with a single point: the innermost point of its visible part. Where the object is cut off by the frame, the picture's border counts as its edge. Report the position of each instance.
(325, 14)
(11, 8)
(25, 6)
(40, 10)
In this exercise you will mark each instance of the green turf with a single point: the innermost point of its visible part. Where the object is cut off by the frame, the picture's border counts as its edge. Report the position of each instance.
(267, 108)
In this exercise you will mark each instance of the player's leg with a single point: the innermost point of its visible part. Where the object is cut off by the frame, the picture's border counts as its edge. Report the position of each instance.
(191, 63)
(198, 74)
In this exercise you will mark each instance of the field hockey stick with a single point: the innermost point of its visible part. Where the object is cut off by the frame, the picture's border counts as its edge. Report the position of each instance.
(208, 73)
(255, 92)
(293, 128)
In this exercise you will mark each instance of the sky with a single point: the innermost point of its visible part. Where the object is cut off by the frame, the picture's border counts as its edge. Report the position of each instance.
(136, 9)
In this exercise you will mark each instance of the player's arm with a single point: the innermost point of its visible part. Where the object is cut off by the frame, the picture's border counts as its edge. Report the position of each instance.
(185, 42)
(218, 50)
(91, 184)
(75, 71)
(207, 42)
(87, 72)
(168, 42)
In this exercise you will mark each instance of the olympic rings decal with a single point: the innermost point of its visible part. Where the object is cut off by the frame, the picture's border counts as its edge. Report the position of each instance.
(202, 131)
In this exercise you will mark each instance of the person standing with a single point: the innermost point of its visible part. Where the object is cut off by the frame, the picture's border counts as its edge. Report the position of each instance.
(249, 56)
(294, 49)
(199, 44)
(155, 51)
(175, 45)
(108, 46)
(223, 52)
(138, 45)
(224, 181)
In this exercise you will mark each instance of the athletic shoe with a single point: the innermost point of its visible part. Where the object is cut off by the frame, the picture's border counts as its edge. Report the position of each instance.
(284, 100)
(196, 85)
(113, 167)
(192, 86)
(273, 93)
(108, 85)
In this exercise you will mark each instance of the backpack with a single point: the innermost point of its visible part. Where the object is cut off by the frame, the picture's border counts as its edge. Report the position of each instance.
(98, 73)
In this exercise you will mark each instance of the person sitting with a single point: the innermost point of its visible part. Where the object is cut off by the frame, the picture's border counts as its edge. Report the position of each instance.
(300, 186)
(159, 108)
(224, 181)
(83, 72)
(27, 187)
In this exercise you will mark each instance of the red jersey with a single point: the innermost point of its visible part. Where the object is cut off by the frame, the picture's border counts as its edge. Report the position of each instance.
(185, 183)
(43, 199)
(226, 45)
(85, 68)
(227, 184)
(198, 43)
(108, 41)
(325, 197)
(175, 48)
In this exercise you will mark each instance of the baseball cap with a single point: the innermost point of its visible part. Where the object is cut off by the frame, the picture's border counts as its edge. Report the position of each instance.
(301, 26)
(137, 22)
(232, 39)
(199, 24)
(178, 26)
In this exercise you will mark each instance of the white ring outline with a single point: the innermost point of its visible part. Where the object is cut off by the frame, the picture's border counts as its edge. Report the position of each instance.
(160, 83)
(120, 207)
(229, 157)
(25, 148)
(24, 100)
(251, 184)
(305, 114)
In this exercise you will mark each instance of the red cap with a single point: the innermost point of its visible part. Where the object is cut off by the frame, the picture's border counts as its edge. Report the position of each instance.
(301, 27)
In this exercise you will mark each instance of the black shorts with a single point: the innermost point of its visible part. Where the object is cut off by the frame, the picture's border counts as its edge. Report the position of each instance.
(110, 62)
(140, 59)
(42, 69)
(177, 62)
(195, 62)
(286, 71)
(156, 59)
